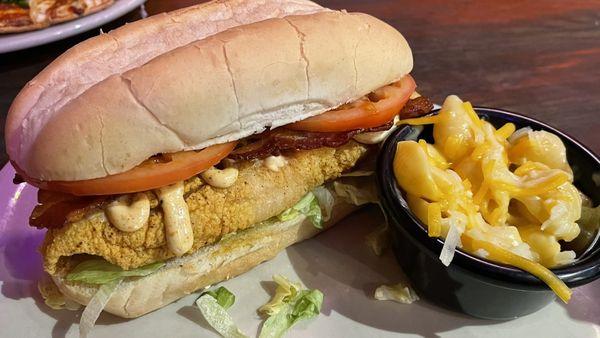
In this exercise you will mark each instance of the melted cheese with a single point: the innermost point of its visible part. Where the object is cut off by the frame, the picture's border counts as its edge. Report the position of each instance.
(511, 201)
(178, 227)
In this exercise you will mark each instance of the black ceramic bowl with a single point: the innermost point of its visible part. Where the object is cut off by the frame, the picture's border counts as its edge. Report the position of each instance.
(470, 284)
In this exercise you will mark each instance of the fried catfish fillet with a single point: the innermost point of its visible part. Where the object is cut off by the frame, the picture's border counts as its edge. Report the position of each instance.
(257, 195)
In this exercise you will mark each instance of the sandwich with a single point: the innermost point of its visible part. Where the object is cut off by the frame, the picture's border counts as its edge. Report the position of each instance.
(184, 149)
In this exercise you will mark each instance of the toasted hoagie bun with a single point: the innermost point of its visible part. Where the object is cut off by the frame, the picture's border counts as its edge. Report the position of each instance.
(69, 126)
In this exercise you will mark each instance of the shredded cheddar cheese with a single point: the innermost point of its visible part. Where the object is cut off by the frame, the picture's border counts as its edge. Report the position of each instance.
(505, 194)
(504, 256)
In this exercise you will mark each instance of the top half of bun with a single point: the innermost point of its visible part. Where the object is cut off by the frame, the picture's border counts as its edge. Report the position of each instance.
(193, 78)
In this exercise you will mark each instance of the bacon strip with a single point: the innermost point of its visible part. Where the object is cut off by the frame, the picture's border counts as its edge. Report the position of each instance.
(55, 209)
(416, 107)
(280, 140)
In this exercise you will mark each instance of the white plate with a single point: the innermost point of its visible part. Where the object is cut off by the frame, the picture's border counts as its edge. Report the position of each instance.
(18, 41)
(337, 262)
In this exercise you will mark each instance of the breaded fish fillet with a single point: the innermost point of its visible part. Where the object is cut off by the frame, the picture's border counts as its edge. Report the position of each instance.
(257, 195)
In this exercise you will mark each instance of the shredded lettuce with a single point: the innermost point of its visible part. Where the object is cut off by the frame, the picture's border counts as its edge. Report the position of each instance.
(356, 190)
(99, 271)
(326, 201)
(307, 206)
(223, 296)
(217, 317)
(96, 305)
(109, 277)
(317, 205)
(290, 304)
(285, 291)
(401, 293)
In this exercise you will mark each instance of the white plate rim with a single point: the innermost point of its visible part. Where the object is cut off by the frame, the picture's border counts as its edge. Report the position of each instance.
(19, 41)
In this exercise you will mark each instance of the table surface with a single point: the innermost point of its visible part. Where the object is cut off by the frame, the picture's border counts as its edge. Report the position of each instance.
(539, 58)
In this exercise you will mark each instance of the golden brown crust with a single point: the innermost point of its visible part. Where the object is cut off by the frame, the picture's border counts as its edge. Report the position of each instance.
(210, 265)
(257, 195)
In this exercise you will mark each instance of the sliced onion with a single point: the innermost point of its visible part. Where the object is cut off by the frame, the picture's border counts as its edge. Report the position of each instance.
(95, 306)
(450, 243)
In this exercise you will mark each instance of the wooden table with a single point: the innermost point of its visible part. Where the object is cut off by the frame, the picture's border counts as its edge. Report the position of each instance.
(540, 58)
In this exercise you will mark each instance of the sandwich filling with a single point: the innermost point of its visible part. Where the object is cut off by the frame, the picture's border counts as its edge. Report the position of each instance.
(258, 194)
(155, 216)
(262, 177)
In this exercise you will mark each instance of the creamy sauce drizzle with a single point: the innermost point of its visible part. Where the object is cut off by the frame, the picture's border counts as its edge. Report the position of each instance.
(220, 178)
(178, 227)
(274, 163)
(129, 217)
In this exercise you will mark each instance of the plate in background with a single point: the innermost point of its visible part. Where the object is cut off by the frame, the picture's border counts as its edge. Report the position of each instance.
(18, 41)
(337, 262)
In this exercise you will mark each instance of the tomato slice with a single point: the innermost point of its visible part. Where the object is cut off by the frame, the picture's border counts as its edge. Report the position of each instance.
(378, 108)
(151, 174)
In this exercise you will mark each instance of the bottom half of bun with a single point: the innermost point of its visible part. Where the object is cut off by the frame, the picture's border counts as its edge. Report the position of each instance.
(232, 256)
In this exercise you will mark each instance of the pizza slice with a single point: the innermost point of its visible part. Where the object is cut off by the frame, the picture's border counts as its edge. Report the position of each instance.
(14, 17)
(26, 15)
